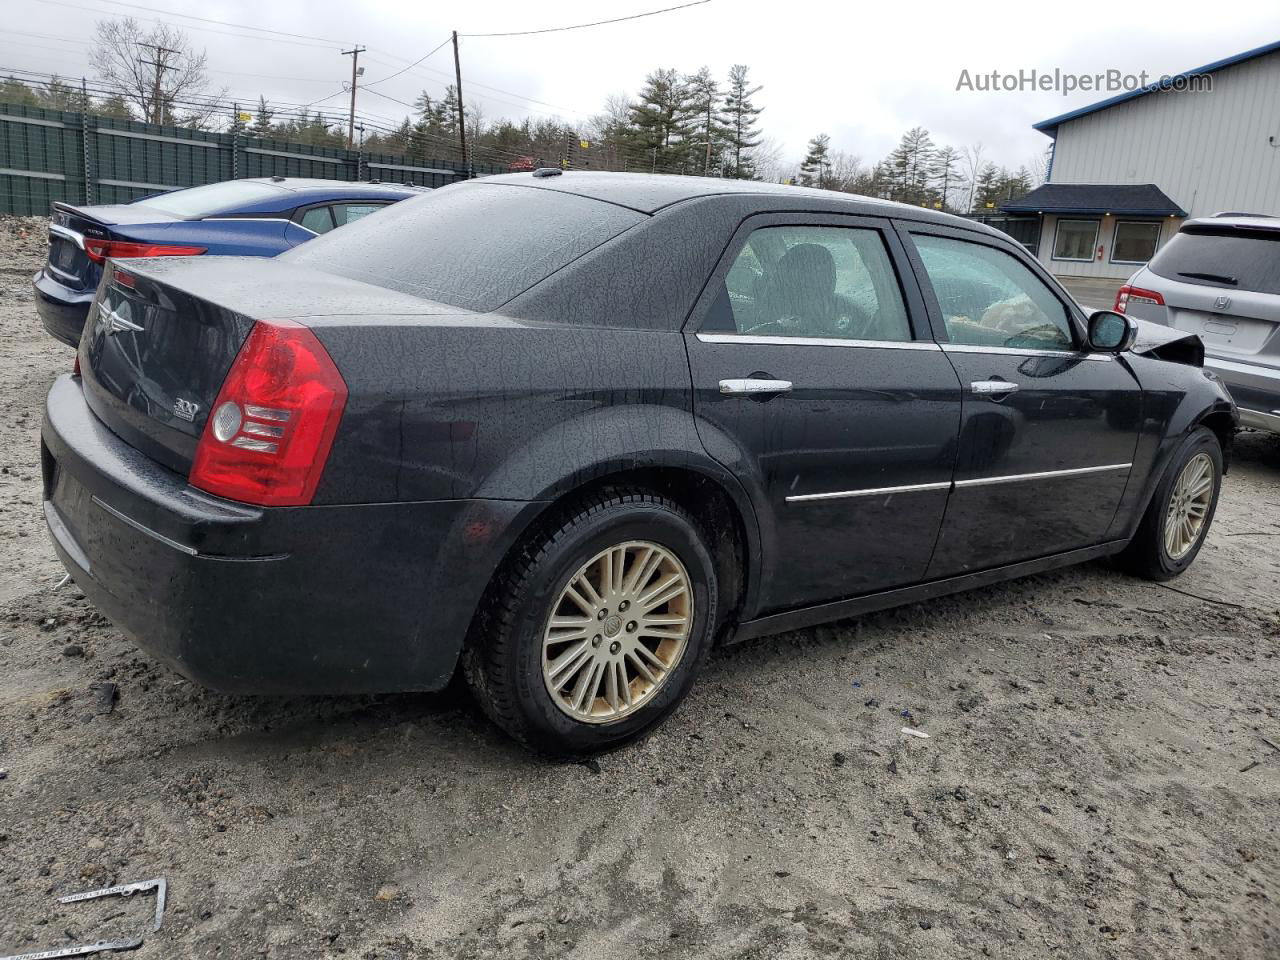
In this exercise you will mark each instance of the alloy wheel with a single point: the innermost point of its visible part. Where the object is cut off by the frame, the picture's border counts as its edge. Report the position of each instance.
(616, 632)
(1188, 506)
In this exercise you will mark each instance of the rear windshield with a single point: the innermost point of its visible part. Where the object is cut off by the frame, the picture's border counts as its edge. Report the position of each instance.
(225, 197)
(471, 245)
(1235, 259)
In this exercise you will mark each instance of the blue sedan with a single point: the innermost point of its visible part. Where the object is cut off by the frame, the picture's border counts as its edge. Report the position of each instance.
(254, 218)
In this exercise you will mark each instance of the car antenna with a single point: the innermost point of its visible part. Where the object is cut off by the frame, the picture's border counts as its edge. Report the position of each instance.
(548, 172)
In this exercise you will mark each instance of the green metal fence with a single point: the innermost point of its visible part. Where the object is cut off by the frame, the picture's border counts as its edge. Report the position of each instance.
(48, 155)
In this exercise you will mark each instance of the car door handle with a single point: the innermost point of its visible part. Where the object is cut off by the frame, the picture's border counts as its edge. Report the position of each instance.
(987, 388)
(751, 385)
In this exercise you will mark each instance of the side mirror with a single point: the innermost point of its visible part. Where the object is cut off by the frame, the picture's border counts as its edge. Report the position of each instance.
(1111, 332)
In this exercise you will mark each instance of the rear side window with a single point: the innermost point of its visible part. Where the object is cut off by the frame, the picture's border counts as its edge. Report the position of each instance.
(318, 220)
(989, 299)
(830, 282)
(225, 197)
(472, 245)
(345, 213)
(1233, 259)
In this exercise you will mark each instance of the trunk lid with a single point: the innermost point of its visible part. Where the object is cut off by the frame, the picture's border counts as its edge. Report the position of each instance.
(68, 226)
(162, 334)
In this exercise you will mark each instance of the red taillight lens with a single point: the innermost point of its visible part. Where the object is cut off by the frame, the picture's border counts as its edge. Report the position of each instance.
(99, 250)
(75, 367)
(1138, 295)
(270, 430)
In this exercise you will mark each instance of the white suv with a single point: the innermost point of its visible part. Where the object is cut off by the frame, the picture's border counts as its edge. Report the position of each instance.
(1219, 277)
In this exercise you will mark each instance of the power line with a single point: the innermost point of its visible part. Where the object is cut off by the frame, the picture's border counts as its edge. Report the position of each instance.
(583, 26)
(221, 23)
(435, 49)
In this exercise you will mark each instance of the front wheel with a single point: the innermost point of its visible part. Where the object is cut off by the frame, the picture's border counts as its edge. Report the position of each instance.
(595, 631)
(1181, 511)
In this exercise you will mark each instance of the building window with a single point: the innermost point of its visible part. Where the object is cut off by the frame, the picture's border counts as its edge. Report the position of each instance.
(1075, 240)
(1135, 241)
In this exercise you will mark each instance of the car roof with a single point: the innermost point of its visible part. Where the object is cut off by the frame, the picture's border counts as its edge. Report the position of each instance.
(650, 193)
(305, 184)
(1242, 221)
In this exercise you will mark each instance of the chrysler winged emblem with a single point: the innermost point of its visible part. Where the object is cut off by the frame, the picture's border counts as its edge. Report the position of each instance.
(114, 322)
(1221, 303)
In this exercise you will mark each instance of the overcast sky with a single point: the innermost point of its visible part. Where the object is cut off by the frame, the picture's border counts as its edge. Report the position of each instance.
(862, 74)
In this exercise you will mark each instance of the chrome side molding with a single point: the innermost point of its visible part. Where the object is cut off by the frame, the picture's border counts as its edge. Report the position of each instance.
(873, 492)
(956, 484)
(1044, 475)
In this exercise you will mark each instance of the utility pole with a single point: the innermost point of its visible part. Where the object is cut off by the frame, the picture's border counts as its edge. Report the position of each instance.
(354, 54)
(157, 108)
(462, 119)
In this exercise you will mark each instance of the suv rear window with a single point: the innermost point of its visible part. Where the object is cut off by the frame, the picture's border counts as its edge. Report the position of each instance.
(472, 245)
(228, 196)
(1222, 257)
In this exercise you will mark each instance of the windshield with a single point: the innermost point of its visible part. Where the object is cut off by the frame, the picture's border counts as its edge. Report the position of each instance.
(1222, 257)
(214, 198)
(472, 245)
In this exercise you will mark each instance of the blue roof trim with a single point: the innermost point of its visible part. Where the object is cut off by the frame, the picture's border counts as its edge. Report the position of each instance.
(1050, 127)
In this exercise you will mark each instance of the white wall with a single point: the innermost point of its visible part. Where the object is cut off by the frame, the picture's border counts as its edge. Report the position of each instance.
(1098, 266)
(1207, 151)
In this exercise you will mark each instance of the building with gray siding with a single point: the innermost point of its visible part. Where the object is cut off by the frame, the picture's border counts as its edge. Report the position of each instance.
(1126, 171)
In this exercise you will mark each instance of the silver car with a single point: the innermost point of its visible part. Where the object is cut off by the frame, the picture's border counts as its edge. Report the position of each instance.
(1219, 277)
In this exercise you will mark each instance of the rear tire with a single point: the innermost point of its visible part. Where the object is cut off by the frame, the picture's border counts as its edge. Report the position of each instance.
(1187, 493)
(534, 677)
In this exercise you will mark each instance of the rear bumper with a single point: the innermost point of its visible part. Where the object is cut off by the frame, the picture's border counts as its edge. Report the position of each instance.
(62, 310)
(1255, 389)
(333, 599)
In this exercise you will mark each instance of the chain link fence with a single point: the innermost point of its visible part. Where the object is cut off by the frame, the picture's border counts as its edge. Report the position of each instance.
(48, 155)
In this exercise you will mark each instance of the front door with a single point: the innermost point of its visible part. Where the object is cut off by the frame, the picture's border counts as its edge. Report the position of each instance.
(817, 381)
(1048, 429)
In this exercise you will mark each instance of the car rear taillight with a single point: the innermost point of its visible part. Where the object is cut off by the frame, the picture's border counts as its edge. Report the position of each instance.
(99, 250)
(270, 430)
(1137, 295)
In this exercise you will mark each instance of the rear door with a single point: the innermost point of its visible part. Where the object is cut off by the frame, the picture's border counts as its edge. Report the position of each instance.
(816, 380)
(1048, 429)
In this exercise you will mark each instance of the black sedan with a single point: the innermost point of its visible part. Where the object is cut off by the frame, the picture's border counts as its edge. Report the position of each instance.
(573, 431)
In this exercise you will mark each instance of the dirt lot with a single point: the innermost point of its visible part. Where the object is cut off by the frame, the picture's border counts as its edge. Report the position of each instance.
(1102, 777)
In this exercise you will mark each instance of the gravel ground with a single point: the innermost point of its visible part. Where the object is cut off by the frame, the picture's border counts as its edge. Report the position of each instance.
(1102, 777)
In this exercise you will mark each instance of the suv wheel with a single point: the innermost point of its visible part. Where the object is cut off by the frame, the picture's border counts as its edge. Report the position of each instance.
(1181, 510)
(596, 630)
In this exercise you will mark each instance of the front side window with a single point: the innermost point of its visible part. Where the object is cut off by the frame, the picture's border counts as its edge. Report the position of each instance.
(832, 282)
(1135, 241)
(1075, 240)
(989, 298)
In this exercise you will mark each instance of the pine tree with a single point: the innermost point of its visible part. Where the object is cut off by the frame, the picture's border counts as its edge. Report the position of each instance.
(262, 120)
(660, 122)
(815, 170)
(740, 119)
(707, 131)
(987, 188)
(945, 173)
(910, 165)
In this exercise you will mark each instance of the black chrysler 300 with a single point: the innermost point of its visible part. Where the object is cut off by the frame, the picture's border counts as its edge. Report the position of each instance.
(572, 431)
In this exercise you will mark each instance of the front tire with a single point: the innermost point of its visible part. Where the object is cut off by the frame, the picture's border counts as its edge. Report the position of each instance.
(595, 630)
(1181, 511)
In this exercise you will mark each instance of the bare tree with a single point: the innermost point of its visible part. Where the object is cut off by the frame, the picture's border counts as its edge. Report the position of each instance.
(156, 71)
(1038, 166)
(847, 171)
(766, 161)
(973, 163)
